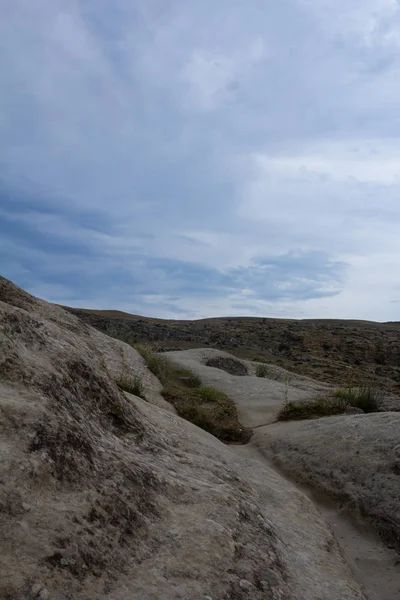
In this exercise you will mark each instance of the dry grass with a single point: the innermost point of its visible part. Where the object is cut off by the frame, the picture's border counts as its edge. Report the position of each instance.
(321, 407)
(206, 407)
(366, 398)
(262, 370)
(132, 385)
(158, 364)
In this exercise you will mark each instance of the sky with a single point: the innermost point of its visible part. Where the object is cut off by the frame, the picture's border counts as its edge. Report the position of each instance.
(192, 159)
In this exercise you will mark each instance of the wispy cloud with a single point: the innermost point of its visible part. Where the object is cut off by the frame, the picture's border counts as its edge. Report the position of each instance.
(203, 159)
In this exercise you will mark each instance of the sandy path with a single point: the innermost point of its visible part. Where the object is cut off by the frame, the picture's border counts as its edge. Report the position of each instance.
(375, 567)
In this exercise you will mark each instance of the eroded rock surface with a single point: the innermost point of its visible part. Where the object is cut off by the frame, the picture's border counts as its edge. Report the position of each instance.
(354, 459)
(258, 399)
(104, 495)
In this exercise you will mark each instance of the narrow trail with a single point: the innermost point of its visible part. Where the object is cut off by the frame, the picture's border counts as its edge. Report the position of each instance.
(375, 566)
(258, 401)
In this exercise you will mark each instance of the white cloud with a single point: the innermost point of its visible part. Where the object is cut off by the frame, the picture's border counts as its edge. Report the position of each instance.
(214, 77)
(213, 134)
(367, 22)
(343, 166)
(368, 293)
(209, 78)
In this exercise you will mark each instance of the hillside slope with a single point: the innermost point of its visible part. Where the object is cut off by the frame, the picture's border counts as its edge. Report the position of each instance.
(104, 495)
(328, 350)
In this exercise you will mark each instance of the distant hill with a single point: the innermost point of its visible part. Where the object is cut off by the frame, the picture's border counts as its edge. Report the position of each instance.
(326, 349)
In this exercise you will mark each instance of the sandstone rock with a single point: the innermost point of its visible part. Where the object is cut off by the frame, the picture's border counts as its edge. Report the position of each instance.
(258, 399)
(126, 499)
(353, 458)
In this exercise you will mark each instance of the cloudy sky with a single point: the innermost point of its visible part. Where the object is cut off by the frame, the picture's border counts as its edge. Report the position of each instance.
(192, 159)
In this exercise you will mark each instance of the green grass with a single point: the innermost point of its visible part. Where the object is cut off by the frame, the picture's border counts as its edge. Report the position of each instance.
(209, 409)
(321, 407)
(159, 364)
(210, 395)
(217, 419)
(165, 370)
(186, 377)
(206, 407)
(262, 370)
(132, 385)
(366, 397)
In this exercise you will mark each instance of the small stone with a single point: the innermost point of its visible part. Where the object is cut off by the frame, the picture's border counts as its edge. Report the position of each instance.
(36, 589)
(245, 585)
(270, 579)
(39, 592)
(67, 561)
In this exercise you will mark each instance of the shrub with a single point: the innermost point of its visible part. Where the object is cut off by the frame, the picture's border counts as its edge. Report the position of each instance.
(366, 397)
(159, 365)
(132, 385)
(209, 409)
(262, 370)
(186, 377)
(165, 370)
(321, 407)
(211, 395)
(218, 419)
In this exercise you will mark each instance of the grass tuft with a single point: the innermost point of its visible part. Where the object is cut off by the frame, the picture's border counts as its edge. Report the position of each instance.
(210, 395)
(132, 385)
(186, 377)
(217, 419)
(206, 407)
(158, 364)
(262, 370)
(366, 397)
(321, 407)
